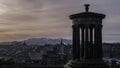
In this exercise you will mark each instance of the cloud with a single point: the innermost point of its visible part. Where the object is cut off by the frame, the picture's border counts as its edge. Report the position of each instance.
(20, 19)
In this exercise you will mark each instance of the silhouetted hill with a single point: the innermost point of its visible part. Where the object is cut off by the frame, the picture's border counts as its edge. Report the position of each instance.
(43, 41)
(38, 41)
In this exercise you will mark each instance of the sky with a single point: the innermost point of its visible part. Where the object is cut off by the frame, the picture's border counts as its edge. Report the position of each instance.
(23, 19)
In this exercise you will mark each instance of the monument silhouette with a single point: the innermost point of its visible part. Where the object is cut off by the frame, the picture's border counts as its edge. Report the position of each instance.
(87, 40)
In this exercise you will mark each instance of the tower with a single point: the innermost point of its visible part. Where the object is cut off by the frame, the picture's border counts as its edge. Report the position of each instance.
(87, 40)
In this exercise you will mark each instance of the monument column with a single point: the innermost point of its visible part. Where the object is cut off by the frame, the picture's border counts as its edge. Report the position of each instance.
(91, 41)
(86, 46)
(96, 42)
(82, 41)
(76, 42)
(100, 42)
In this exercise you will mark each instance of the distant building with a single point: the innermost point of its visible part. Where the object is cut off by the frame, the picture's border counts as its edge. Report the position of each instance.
(111, 50)
(57, 56)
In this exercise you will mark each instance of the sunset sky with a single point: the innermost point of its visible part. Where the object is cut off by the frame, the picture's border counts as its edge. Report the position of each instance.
(23, 19)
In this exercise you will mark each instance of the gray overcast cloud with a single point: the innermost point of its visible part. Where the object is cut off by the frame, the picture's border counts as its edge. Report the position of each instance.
(22, 19)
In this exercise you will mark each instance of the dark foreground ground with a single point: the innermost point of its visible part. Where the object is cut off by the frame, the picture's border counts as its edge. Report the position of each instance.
(31, 66)
(36, 66)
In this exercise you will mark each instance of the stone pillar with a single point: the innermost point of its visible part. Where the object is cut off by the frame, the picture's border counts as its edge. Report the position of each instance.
(82, 40)
(100, 41)
(95, 42)
(91, 41)
(86, 46)
(76, 42)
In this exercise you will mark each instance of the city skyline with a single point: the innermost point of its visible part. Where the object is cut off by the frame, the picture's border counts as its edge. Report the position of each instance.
(23, 19)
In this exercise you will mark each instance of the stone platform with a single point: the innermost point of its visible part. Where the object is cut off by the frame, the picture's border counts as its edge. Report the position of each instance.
(86, 64)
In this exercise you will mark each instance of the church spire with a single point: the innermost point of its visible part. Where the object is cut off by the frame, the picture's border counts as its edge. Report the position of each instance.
(61, 42)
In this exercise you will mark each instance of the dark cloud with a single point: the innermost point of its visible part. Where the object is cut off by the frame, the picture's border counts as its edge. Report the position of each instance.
(22, 17)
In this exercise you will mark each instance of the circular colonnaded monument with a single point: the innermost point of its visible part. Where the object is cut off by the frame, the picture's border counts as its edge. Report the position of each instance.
(87, 40)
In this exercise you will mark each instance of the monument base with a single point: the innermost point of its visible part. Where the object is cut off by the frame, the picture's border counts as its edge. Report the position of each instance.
(86, 64)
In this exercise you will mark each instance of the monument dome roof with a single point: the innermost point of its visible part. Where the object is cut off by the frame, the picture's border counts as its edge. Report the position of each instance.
(87, 15)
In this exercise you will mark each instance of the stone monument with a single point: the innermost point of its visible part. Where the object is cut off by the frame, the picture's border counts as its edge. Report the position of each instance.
(87, 40)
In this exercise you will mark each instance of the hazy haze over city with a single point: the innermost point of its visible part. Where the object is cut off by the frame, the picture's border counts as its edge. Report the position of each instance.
(22, 19)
